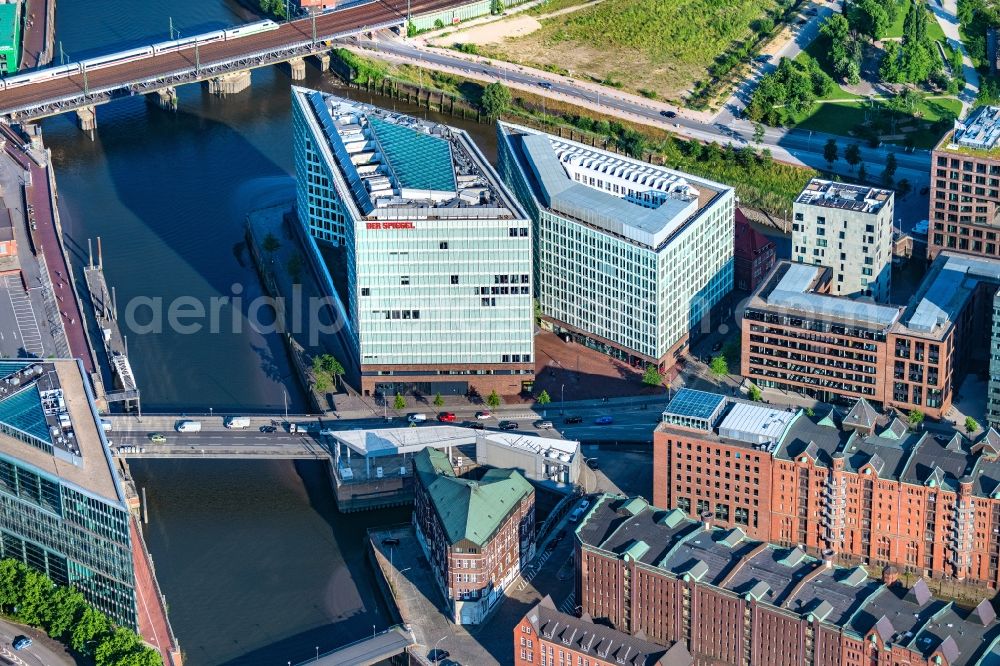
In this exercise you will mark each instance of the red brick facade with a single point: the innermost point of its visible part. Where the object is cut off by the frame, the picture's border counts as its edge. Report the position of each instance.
(965, 191)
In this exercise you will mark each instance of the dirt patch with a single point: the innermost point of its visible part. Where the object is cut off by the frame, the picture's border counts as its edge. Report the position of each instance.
(491, 33)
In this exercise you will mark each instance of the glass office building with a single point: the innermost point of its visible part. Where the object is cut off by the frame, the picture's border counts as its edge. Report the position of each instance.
(630, 257)
(435, 277)
(64, 511)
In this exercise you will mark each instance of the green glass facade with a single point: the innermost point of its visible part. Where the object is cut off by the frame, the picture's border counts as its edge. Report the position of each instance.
(75, 538)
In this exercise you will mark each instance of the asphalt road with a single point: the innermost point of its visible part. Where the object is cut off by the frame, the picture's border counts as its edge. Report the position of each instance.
(327, 25)
(43, 651)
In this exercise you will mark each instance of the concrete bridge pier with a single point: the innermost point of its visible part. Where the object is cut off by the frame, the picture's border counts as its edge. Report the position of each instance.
(322, 61)
(166, 98)
(230, 84)
(298, 68)
(87, 118)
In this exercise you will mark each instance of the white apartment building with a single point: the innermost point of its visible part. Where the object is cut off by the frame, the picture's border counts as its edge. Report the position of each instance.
(630, 257)
(434, 255)
(847, 228)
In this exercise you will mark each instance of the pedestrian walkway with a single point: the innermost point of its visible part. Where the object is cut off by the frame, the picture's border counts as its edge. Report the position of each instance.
(946, 13)
(24, 315)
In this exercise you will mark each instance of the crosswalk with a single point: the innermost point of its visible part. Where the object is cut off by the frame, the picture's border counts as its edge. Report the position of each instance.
(532, 569)
(568, 604)
(24, 314)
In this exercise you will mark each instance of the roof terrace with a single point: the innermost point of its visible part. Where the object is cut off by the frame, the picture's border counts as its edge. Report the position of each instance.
(844, 196)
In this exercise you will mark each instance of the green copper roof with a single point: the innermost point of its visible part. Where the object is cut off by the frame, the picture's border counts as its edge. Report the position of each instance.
(23, 410)
(469, 510)
(636, 550)
(417, 160)
(10, 37)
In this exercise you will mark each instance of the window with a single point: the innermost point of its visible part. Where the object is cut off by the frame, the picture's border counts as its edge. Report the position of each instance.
(404, 280)
(454, 279)
(365, 291)
(443, 245)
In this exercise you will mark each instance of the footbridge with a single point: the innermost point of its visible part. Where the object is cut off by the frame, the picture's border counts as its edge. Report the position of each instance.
(222, 59)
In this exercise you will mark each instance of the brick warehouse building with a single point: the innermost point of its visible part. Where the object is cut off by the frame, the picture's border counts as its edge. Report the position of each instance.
(733, 600)
(476, 535)
(753, 254)
(856, 485)
(797, 337)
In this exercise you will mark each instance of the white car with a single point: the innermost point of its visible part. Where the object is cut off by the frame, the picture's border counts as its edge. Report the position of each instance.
(543, 425)
(482, 416)
(416, 418)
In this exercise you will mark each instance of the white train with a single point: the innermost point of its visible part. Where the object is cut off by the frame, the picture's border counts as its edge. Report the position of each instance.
(131, 55)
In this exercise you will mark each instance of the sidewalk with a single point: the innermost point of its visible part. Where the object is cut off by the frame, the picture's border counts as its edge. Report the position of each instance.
(946, 13)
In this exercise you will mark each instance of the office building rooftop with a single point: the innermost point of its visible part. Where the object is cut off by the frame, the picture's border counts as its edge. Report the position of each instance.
(845, 196)
(727, 419)
(48, 420)
(398, 167)
(979, 131)
(640, 202)
(950, 282)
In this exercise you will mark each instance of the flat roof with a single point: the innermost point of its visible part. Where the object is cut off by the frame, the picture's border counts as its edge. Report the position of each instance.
(845, 196)
(635, 200)
(979, 131)
(537, 445)
(397, 441)
(755, 423)
(10, 31)
(950, 282)
(702, 405)
(81, 458)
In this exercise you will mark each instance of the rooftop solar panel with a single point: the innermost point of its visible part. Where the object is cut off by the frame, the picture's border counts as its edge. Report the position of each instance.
(23, 410)
(418, 160)
(696, 404)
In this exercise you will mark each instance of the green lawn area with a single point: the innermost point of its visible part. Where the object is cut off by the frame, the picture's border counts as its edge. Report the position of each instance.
(934, 30)
(837, 93)
(658, 45)
(554, 5)
(843, 117)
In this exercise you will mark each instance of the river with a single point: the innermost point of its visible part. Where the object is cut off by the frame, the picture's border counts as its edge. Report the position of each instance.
(256, 564)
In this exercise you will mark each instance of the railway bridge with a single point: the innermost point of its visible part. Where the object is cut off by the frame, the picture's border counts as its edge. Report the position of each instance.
(223, 60)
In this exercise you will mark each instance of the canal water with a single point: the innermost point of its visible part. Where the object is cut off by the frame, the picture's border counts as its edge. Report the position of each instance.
(256, 564)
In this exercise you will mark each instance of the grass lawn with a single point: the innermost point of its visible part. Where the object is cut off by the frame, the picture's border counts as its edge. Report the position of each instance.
(554, 5)
(843, 117)
(838, 93)
(659, 45)
(934, 30)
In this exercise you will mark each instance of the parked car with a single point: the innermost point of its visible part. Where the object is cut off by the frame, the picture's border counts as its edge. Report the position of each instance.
(21, 642)
(483, 415)
(476, 425)
(157, 438)
(416, 418)
(545, 84)
(268, 428)
(668, 114)
(508, 425)
(447, 417)
(604, 420)
(592, 463)
(391, 541)
(437, 654)
(573, 419)
(543, 425)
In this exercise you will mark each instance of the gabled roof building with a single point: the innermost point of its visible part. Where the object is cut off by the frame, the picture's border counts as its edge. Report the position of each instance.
(476, 534)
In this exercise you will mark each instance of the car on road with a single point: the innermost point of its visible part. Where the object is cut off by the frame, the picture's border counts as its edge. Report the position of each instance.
(157, 438)
(717, 346)
(592, 463)
(482, 416)
(416, 418)
(570, 420)
(545, 84)
(269, 429)
(391, 541)
(668, 114)
(437, 654)
(508, 425)
(604, 420)
(21, 642)
(446, 417)
(543, 425)
(476, 425)
(767, 57)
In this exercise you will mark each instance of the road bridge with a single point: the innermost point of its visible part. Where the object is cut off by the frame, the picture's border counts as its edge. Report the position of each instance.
(224, 64)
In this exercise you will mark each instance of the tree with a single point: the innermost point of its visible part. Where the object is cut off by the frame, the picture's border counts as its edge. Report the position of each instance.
(89, 627)
(869, 17)
(495, 100)
(438, 400)
(493, 399)
(718, 366)
(754, 393)
(116, 649)
(294, 267)
(852, 155)
(63, 607)
(411, 30)
(915, 418)
(890, 169)
(758, 133)
(496, 7)
(399, 402)
(810, 411)
(903, 187)
(843, 52)
(543, 398)
(971, 425)
(652, 376)
(830, 152)
(270, 245)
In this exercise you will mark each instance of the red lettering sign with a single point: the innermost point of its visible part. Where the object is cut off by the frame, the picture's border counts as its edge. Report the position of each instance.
(389, 225)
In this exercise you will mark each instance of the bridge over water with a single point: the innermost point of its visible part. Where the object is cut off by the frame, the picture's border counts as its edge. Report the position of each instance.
(224, 64)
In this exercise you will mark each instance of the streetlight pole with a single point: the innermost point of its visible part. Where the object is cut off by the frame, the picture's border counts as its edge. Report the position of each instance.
(86, 87)
(285, 394)
(434, 651)
(314, 28)
(562, 397)
(197, 59)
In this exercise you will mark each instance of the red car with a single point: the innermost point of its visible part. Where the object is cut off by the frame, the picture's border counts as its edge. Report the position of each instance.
(447, 417)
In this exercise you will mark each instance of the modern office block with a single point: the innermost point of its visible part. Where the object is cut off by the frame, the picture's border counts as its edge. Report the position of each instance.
(63, 509)
(630, 257)
(847, 228)
(433, 255)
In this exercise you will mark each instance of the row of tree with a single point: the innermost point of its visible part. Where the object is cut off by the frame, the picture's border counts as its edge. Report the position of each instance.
(32, 598)
(788, 92)
(915, 59)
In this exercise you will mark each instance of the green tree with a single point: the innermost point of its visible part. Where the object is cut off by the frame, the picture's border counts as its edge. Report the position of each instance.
(270, 245)
(493, 399)
(332, 367)
(830, 152)
(399, 402)
(971, 425)
(852, 155)
(810, 411)
(890, 169)
(9, 584)
(903, 187)
(496, 99)
(915, 418)
(652, 376)
(543, 398)
(411, 30)
(718, 366)
(63, 606)
(35, 588)
(438, 400)
(116, 649)
(496, 7)
(758, 133)
(868, 17)
(754, 393)
(91, 625)
(294, 267)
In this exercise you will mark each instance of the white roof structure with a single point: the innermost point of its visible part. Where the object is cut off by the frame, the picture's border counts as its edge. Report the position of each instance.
(543, 446)
(397, 441)
(755, 424)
